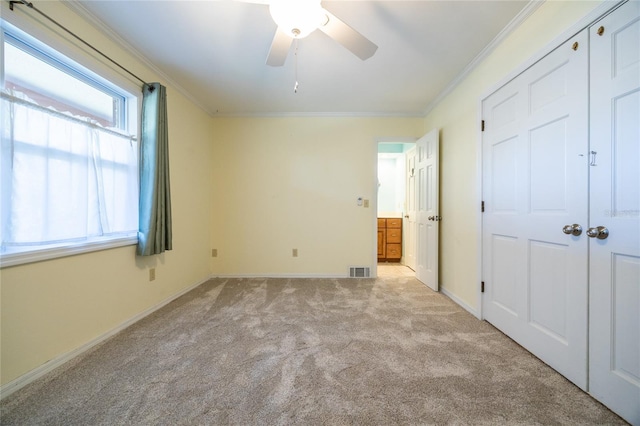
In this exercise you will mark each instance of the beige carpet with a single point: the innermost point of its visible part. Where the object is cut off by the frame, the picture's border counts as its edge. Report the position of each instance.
(307, 352)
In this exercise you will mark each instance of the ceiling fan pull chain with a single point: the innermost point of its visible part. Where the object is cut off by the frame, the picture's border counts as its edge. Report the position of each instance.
(295, 54)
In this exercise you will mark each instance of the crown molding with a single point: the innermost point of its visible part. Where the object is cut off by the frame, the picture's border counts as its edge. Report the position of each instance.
(79, 9)
(319, 114)
(522, 16)
(527, 11)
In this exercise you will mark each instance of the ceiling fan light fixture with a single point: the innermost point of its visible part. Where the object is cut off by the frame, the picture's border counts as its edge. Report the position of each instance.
(297, 18)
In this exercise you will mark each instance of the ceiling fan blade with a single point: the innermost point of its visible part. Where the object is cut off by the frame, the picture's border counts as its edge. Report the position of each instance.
(358, 44)
(279, 49)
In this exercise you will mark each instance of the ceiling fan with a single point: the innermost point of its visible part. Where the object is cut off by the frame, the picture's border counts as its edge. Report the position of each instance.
(298, 18)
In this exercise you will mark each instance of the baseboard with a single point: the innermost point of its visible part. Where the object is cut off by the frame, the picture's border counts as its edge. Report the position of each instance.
(458, 301)
(285, 275)
(22, 381)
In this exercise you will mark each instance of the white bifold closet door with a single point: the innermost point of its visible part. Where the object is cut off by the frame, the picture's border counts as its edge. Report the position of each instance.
(561, 228)
(535, 177)
(614, 268)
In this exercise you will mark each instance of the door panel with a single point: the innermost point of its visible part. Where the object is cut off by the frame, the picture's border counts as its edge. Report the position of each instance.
(627, 153)
(614, 273)
(626, 291)
(535, 169)
(548, 288)
(549, 167)
(503, 290)
(503, 175)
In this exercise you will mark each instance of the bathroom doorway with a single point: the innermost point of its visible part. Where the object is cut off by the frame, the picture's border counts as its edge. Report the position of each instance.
(396, 230)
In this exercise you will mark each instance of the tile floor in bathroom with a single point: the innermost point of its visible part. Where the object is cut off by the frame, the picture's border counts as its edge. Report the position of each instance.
(394, 270)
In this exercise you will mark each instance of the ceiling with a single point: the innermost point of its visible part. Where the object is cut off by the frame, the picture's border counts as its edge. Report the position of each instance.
(215, 52)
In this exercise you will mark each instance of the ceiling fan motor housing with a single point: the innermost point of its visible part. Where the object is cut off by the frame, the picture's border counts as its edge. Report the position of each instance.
(297, 18)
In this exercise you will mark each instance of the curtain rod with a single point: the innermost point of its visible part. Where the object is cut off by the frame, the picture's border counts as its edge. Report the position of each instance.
(31, 6)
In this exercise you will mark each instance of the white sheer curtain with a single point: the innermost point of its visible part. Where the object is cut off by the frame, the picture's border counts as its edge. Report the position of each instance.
(64, 180)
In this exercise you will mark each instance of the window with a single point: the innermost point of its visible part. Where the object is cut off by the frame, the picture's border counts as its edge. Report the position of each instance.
(68, 160)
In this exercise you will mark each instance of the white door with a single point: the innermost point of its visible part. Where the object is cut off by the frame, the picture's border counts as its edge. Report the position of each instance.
(614, 273)
(409, 227)
(535, 176)
(427, 186)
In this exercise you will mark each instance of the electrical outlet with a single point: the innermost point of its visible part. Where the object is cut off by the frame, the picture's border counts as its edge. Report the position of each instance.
(214, 252)
(295, 252)
(152, 274)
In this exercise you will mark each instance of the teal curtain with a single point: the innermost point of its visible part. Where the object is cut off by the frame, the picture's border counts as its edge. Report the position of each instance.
(154, 226)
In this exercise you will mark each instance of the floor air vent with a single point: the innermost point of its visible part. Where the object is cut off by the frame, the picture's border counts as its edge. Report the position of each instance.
(359, 272)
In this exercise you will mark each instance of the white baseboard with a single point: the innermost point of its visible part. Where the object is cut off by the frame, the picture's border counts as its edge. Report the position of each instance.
(458, 301)
(285, 275)
(20, 382)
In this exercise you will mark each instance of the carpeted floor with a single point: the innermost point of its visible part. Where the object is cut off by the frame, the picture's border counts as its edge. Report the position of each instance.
(308, 352)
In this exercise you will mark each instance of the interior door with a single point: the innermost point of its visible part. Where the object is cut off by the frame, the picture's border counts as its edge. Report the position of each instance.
(614, 273)
(535, 177)
(409, 227)
(427, 198)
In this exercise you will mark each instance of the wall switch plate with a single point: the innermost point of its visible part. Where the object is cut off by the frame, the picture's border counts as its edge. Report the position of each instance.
(152, 274)
(294, 252)
(214, 252)
(366, 204)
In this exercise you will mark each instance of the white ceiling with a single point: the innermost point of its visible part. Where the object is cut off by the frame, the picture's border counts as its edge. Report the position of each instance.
(216, 51)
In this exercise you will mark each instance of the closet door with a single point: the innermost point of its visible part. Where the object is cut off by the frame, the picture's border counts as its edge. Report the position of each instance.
(535, 177)
(614, 273)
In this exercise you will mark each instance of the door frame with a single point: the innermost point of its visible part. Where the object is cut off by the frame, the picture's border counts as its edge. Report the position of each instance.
(374, 196)
(596, 14)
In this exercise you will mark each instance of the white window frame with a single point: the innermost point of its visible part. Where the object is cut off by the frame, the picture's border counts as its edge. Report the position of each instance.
(86, 64)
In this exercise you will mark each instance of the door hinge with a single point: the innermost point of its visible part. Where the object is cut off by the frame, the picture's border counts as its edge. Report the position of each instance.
(482, 287)
(482, 126)
(482, 207)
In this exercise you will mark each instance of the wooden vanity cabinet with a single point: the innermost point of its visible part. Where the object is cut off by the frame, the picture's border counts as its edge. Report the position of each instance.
(389, 239)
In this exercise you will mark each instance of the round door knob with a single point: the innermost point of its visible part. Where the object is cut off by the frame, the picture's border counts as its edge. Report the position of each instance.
(574, 229)
(599, 232)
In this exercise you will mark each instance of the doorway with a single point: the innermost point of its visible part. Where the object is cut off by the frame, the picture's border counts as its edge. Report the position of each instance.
(395, 189)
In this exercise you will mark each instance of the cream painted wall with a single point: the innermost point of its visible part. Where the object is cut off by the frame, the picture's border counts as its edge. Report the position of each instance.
(254, 188)
(285, 183)
(458, 118)
(53, 307)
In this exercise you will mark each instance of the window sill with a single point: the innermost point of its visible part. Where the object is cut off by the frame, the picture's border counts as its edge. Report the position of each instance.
(23, 257)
